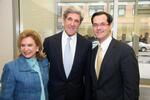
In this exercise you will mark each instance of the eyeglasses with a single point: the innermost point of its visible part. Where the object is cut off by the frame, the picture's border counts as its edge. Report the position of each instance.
(101, 25)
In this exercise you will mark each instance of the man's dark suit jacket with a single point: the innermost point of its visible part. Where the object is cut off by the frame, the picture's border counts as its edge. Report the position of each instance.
(77, 85)
(119, 74)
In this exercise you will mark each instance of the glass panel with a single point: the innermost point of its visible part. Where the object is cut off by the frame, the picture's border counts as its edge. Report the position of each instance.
(125, 21)
(134, 29)
(88, 7)
(121, 10)
(143, 14)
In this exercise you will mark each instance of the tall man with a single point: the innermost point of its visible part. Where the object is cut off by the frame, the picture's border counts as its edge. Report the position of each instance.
(69, 77)
(118, 74)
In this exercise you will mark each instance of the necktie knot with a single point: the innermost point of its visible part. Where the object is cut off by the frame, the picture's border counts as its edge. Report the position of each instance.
(68, 39)
(68, 42)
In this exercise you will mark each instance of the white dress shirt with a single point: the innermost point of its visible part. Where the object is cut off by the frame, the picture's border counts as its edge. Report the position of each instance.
(73, 43)
(104, 45)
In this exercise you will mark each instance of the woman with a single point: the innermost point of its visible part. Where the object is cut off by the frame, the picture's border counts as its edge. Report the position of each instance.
(26, 77)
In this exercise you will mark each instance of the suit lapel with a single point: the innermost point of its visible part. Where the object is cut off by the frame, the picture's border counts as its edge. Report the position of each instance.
(107, 58)
(76, 56)
(94, 52)
(58, 49)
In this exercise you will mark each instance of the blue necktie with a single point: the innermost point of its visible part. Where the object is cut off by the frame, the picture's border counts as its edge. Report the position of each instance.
(67, 57)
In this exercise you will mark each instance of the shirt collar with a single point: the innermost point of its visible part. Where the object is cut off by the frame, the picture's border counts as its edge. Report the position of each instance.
(64, 36)
(104, 45)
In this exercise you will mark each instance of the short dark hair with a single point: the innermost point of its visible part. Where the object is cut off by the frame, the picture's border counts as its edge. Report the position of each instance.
(109, 17)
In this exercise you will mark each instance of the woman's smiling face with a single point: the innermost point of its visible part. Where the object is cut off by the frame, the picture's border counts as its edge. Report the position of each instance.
(28, 47)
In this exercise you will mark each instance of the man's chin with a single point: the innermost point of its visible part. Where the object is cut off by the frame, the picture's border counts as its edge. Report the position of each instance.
(71, 33)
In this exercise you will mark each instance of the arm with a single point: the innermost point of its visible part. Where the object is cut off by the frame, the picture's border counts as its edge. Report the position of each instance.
(88, 75)
(8, 84)
(130, 74)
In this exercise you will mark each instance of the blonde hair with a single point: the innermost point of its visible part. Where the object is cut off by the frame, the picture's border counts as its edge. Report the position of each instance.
(36, 37)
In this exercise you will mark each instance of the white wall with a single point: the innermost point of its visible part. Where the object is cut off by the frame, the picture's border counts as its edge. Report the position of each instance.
(6, 32)
(38, 15)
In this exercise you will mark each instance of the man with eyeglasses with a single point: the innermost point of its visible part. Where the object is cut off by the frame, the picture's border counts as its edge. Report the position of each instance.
(117, 77)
